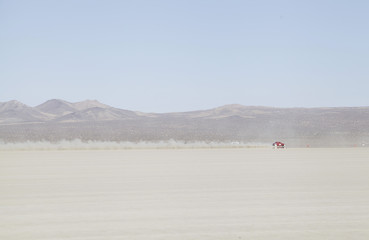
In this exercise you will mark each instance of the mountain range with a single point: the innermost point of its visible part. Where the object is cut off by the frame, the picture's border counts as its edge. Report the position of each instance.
(60, 111)
(56, 119)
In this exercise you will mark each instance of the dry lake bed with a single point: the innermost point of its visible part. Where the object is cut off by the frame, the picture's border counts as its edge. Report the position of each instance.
(199, 194)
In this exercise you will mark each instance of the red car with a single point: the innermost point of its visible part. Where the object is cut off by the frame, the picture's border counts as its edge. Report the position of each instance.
(278, 145)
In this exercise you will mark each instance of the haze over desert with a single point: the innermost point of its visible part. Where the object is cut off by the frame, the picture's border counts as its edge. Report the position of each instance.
(91, 121)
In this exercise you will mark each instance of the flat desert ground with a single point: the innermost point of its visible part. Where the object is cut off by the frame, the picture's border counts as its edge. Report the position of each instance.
(200, 194)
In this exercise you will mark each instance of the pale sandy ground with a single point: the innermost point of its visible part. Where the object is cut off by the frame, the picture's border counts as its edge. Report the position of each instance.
(185, 194)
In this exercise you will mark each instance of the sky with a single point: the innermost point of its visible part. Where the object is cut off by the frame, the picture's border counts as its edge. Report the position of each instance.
(183, 55)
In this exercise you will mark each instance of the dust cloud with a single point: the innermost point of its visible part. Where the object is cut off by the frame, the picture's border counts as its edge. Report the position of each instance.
(78, 144)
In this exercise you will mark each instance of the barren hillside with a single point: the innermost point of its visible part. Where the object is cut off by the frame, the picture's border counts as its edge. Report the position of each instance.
(55, 120)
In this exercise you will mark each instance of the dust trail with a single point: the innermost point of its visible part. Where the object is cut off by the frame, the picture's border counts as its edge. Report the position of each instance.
(78, 144)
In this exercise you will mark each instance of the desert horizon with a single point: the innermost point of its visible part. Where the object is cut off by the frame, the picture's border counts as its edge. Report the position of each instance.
(90, 120)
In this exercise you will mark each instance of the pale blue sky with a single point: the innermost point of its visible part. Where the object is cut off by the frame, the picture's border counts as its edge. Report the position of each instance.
(164, 56)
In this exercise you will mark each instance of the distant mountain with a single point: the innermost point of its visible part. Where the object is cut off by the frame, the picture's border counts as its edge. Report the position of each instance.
(89, 104)
(12, 105)
(60, 108)
(233, 110)
(97, 114)
(57, 107)
(91, 120)
(16, 112)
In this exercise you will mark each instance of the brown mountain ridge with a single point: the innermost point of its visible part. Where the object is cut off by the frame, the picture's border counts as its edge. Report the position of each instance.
(57, 119)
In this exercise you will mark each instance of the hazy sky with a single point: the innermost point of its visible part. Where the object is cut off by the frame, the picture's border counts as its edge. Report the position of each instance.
(163, 56)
